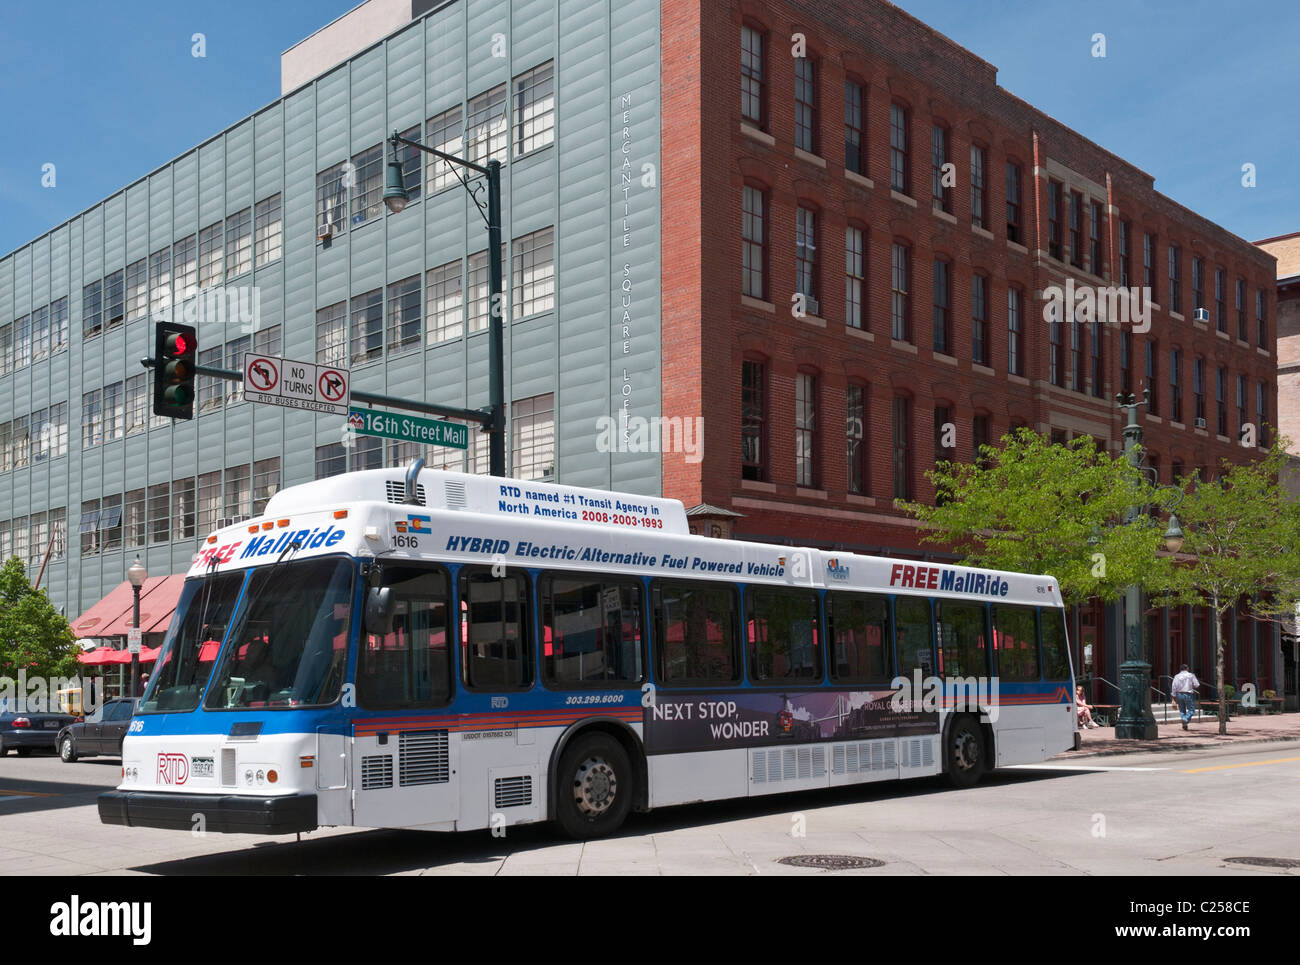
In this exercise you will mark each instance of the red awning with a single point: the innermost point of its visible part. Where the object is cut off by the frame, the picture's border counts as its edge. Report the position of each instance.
(106, 611)
(103, 656)
(158, 598)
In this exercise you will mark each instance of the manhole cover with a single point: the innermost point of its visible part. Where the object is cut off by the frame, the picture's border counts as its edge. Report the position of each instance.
(830, 862)
(1267, 862)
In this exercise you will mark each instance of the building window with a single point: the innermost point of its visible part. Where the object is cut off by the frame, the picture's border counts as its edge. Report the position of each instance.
(1261, 411)
(1076, 229)
(753, 76)
(899, 173)
(1220, 305)
(209, 501)
(404, 315)
(1076, 355)
(486, 126)
(331, 460)
(855, 276)
(1175, 279)
(1149, 265)
(1221, 401)
(1125, 258)
(1198, 391)
(940, 195)
(805, 105)
(479, 285)
(805, 430)
(1095, 224)
(92, 422)
(368, 187)
(367, 326)
(1243, 333)
(185, 267)
(137, 403)
(535, 108)
(1241, 407)
(1153, 380)
(806, 274)
(533, 273)
(1176, 385)
(1125, 363)
(160, 281)
(1013, 202)
(1098, 381)
(942, 301)
(267, 228)
(1056, 350)
(980, 433)
(266, 342)
(183, 508)
(1198, 283)
(6, 349)
(902, 448)
(1054, 219)
(445, 134)
(209, 390)
(977, 186)
(137, 289)
(41, 333)
(235, 351)
(211, 255)
(1015, 356)
(332, 198)
(855, 99)
(115, 299)
(900, 298)
(979, 348)
(942, 419)
(754, 233)
(266, 482)
(444, 305)
(532, 438)
(133, 519)
(92, 321)
(858, 478)
(332, 335)
(753, 419)
(1261, 318)
(239, 243)
(159, 513)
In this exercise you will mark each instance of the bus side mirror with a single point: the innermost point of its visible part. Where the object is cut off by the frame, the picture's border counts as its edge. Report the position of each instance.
(379, 610)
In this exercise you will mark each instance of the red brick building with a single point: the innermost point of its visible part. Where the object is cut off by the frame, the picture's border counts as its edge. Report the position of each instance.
(804, 154)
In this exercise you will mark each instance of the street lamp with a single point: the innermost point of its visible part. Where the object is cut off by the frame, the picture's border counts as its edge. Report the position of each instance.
(396, 198)
(137, 574)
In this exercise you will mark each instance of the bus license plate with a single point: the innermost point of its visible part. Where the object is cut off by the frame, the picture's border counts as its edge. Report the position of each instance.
(201, 766)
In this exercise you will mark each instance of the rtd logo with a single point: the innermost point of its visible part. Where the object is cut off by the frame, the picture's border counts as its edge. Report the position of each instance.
(173, 768)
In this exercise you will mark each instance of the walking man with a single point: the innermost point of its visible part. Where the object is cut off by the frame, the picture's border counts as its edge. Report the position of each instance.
(1184, 687)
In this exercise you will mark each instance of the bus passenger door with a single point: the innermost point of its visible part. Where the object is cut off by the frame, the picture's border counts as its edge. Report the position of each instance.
(403, 761)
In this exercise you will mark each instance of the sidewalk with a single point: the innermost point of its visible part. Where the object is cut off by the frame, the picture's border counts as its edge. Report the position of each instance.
(1247, 729)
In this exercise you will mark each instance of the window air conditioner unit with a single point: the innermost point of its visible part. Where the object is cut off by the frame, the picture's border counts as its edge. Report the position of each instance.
(1200, 422)
(1201, 315)
(324, 232)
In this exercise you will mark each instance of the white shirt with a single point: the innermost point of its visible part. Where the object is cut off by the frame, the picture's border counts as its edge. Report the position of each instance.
(1185, 682)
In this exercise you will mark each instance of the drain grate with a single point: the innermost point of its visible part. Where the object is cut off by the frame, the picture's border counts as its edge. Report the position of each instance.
(830, 862)
(1267, 862)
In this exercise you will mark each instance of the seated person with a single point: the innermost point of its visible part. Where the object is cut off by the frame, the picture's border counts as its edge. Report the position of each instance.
(1085, 710)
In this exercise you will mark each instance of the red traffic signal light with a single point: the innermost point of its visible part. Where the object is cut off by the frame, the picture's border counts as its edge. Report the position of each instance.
(175, 347)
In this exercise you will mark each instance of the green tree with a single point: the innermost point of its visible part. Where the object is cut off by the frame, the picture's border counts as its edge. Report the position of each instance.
(1242, 542)
(1032, 506)
(33, 635)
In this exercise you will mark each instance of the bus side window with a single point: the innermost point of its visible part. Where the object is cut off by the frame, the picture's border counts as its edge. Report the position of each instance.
(1056, 659)
(963, 639)
(495, 630)
(782, 628)
(696, 632)
(912, 632)
(857, 626)
(1015, 642)
(410, 665)
(592, 630)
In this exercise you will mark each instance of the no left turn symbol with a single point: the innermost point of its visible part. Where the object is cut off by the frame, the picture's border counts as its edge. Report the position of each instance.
(263, 374)
(332, 385)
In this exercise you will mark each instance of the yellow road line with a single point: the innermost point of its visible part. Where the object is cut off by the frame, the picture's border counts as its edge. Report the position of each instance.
(1225, 767)
(5, 792)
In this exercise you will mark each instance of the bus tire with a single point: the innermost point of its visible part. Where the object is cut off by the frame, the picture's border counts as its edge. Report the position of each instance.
(964, 752)
(593, 791)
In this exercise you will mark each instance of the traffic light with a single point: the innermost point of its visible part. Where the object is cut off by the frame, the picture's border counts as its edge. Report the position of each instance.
(175, 348)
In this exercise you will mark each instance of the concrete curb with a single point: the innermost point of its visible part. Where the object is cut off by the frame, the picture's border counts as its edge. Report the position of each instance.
(1173, 749)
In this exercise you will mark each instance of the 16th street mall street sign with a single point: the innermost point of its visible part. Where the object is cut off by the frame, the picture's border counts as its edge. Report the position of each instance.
(409, 428)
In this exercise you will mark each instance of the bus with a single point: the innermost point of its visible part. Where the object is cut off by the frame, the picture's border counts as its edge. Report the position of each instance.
(433, 650)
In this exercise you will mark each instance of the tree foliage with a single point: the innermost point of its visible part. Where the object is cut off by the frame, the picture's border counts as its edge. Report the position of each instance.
(1031, 506)
(33, 635)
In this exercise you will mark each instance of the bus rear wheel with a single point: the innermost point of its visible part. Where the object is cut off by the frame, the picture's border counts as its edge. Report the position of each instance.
(593, 791)
(965, 752)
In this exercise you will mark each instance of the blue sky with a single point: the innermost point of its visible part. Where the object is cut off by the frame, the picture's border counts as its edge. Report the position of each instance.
(1188, 91)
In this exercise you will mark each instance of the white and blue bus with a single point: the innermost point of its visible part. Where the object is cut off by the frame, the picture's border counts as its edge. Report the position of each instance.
(443, 651)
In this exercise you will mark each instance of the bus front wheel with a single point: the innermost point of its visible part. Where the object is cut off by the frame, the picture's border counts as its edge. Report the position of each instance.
(965, 752)
(593, 792)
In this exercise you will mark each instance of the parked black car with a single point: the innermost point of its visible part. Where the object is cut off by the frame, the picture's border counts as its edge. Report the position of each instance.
(26, 732)
(100, 733)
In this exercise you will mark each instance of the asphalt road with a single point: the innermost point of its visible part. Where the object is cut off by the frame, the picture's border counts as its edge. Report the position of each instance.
(1183, 813)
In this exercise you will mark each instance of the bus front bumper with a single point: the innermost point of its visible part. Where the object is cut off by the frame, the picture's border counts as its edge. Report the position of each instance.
(232, 813)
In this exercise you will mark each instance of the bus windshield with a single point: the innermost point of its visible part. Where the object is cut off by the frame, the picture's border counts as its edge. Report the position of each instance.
(193, 641)
(288, 646)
